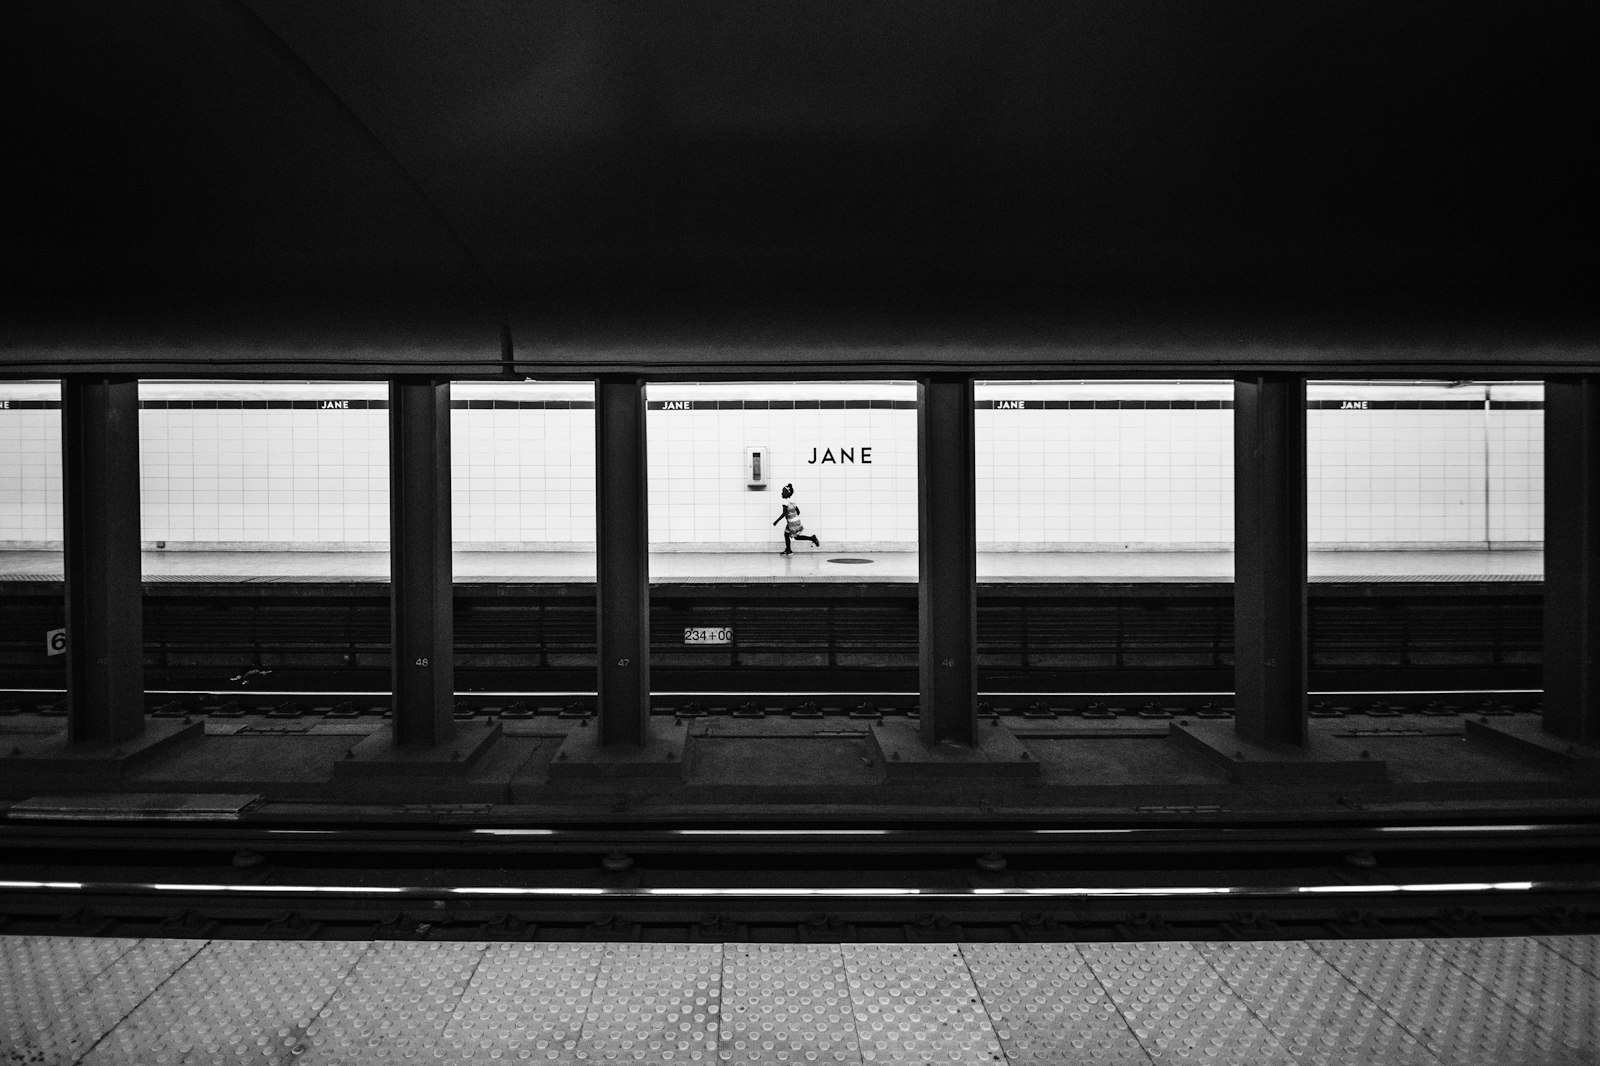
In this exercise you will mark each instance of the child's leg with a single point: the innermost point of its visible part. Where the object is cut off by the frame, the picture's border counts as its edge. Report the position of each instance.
(788, 548)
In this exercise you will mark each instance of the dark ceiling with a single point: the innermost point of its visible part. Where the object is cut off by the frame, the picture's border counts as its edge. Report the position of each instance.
(420, 181)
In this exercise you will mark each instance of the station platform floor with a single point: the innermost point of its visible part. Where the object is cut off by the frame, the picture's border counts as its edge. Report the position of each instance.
(1526, 1001)
(806, 566)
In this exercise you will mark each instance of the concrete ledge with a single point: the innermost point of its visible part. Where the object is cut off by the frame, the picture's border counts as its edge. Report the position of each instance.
(52, 753)
(998, 754)
(1323, 760)
(1526, 735)
(582, 757)
(135, 807)
(378, 755)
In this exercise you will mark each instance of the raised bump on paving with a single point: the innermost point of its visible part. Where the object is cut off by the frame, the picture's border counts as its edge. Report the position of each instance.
(1505, 1002)
(1581, 951)
(88, 1014)
(41, 981)
(786, 1003)
(1562, 1000)
(236, 1002)
(108, 1001)
(917, 1003)
(395, 1004)
(1048, 1007)
(526, 1000)
(1311, 1008)
(1180, 1008)
(655, 1003)
(1455, 1017)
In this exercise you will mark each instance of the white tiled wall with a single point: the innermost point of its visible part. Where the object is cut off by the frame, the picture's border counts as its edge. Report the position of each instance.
(1409, 477)
(1104, 478)
(313, 478)
(30, 465)
(698, 493)
(523, 478)
(1047, 479)
(1516, 467)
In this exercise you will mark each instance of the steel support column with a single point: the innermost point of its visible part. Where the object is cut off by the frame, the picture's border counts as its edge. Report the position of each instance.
(100, 526)
(1269, 585)
(423, 674)
(622, 564)
(947, 559)
(1572, 558)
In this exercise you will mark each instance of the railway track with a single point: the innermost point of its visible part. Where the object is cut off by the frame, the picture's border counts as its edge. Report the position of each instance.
(801, 884)
(860, 639)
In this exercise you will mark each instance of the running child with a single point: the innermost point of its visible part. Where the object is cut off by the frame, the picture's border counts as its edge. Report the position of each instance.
(793, 529)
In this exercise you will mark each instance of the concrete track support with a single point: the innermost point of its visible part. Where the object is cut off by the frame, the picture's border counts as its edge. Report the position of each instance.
(1269, 479)
(100, 522)
(1572, 558)
(622, 565)
(423, 672)
(947, 546)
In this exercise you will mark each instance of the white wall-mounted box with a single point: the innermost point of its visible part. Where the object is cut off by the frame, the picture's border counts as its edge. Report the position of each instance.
(757, 465)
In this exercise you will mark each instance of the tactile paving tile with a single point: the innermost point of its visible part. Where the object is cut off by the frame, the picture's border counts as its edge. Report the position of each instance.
(82, 1016)
(655, 1003)
(394, 1006)
(1047, 1006)
(234, 1002)
(1313, 1010)
(784, 1003)
(1455, 1017)
(917, 1003)
(40, 977)
(1581, 951)
(527, 1002)
(1180, 1008)
(1562, 1000)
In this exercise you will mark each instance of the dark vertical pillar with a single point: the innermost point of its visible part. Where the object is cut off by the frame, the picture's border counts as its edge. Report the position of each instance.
(100, 521)
(622, 564)
(1572, 557)
(1269, 584)
(419, 561)
(947, 556)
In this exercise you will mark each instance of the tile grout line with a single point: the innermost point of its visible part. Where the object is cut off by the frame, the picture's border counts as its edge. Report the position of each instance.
(722, 1000)
(1533, 1022)
(1423, 1042)
(1127, 1023)
(300, 1035)
(1222, 978)
(158, 986)
(850, 996)
(961, 953)
(1577, 963)
(588, 1007)
(97, 974)
(1340, 974)
(465, 988)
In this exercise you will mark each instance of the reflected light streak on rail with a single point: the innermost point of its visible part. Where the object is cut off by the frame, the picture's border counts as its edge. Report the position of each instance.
(1462, 828)
(510, 891)
(781, 832)
(42, 884)
(757, 892)
(1466, 886)
(351, 890)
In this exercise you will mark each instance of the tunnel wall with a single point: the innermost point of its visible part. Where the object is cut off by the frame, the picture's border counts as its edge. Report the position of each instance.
(1061, 465)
